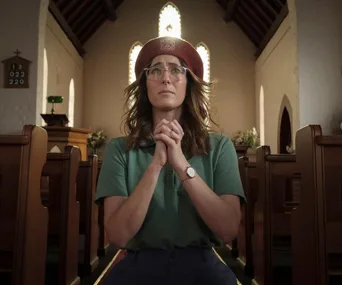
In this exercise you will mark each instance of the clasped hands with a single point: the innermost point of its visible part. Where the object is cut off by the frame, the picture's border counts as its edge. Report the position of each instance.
(168, 136)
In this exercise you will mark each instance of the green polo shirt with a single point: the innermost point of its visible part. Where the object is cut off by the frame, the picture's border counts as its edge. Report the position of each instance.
(172, 219)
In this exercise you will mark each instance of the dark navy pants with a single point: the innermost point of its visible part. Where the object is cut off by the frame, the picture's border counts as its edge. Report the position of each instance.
(187, 266)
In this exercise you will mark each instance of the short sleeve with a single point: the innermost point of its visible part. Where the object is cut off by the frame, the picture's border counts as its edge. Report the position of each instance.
(227, 178)
(112, 177)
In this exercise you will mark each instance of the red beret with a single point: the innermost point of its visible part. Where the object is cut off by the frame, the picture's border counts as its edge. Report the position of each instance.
(172, 46)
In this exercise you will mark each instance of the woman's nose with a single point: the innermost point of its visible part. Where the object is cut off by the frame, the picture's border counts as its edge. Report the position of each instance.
(166, 77)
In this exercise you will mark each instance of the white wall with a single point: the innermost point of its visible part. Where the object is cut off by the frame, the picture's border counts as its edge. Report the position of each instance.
(64, 63)
(22, 29)
(320, 61)
(276, 73)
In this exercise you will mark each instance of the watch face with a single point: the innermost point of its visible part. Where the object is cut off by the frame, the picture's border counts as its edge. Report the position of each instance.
(191, 172)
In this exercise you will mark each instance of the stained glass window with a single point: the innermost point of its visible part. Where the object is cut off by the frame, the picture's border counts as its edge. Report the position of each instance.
(71, 103)
(204, 53)
(169, 21)
(132, 59)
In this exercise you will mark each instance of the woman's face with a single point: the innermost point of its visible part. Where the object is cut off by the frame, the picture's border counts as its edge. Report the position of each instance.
(166, 83)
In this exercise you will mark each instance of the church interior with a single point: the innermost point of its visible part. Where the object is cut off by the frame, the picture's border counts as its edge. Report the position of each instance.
(277, 65)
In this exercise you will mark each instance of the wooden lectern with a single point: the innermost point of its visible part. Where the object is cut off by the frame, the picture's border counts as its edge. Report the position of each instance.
(62, 136)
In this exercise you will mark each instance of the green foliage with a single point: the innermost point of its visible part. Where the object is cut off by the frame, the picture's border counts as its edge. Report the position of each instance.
(249, 138)
(96, 140)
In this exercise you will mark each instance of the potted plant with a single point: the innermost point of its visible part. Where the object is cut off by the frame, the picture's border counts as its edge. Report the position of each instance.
(96, 140)
(249, 140)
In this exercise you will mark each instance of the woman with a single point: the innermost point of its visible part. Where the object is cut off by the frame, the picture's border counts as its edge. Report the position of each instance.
(171, 190)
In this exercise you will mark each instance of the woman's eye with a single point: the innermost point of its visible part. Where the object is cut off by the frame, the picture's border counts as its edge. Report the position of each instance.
(156, 71)
(176, 70)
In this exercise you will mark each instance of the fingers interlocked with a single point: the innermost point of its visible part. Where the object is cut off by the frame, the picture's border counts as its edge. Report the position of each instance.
(171, 129)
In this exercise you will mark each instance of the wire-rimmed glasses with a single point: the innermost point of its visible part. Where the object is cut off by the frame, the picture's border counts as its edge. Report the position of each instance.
(156, 73)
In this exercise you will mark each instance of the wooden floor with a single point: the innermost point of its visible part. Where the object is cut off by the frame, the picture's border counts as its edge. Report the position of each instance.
(98, 276)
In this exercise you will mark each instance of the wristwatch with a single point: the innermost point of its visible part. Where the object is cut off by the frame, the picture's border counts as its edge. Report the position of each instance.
(190, 172)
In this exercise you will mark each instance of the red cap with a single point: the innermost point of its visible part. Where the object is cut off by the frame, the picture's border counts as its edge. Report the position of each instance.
(172, 46)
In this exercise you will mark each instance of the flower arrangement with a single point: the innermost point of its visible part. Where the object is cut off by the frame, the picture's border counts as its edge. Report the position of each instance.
(249, 138)
(96, 140)
(290, 149)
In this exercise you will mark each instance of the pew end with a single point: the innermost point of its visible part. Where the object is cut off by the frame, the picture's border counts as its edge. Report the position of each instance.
(23, 218)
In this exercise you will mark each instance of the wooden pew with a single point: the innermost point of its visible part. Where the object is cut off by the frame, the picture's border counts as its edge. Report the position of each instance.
(86, 187)
(233, 245)
(103, 240)
(277, 176)
(317, 222)
(23, 218)
(62, 256)
(250, 184)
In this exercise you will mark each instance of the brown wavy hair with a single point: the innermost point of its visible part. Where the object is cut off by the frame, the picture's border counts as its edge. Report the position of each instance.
(138, 119)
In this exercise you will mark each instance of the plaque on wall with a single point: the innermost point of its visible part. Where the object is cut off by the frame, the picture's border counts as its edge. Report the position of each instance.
(16, 72)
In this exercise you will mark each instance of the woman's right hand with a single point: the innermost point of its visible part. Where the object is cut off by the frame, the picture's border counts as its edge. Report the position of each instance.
(160, 152)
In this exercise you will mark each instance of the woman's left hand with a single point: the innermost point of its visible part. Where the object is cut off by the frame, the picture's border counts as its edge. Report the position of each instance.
(172, 135)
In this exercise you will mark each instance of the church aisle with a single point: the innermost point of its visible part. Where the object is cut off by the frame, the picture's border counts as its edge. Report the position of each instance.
(103, 268)
(225, 253)
(105, 265)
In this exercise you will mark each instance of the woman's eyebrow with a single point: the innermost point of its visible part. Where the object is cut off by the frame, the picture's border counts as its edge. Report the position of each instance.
(168, 63)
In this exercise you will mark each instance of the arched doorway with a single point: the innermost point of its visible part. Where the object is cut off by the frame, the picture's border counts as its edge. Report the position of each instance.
(285, 135)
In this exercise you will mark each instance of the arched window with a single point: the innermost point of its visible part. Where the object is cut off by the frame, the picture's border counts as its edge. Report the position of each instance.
(71, 115)
(169, 21)
(45, 83)
(262, 116)
(203, 51)
(133, 54)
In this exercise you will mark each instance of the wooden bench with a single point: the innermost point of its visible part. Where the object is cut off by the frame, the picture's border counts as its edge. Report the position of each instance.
(103, 240)
(233, 245)
(61, 169)
(86, 187)
(250, 184)
(317, 221)
(23, 218)
(277, 176)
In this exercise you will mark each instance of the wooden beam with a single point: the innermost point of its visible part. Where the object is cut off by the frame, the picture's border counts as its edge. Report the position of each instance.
(270, 9)
(79, 11)
(261, 12)
(280, 4)
(276, 24)
(92, 29)
(222, 3)
(246, 29)
(86, 13)
(66, 28)
(109, 10)
(60, 3)
(98, 13)
(253, 27)
(69, 9)
(251, 13)
(230, 11)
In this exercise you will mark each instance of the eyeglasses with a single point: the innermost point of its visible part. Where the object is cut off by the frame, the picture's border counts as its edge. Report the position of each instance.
(156, 73)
